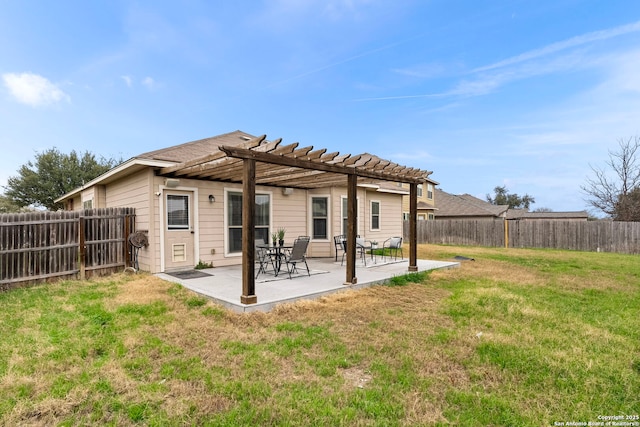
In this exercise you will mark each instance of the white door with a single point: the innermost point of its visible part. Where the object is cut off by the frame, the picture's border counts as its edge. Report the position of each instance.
(178, 230)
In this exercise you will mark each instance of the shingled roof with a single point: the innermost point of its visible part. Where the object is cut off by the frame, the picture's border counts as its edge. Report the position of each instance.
(465, 206)
(192, 150)
(220, 159)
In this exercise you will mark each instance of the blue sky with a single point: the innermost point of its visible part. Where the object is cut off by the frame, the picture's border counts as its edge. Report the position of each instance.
(526, 94)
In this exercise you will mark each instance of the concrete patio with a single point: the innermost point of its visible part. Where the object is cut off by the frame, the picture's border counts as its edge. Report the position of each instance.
(224, 284)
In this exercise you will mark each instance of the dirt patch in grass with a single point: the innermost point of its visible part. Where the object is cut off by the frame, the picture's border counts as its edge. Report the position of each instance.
(140, 289)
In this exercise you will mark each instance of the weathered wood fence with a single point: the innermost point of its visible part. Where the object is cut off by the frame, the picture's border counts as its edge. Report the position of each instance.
(39, 246)
(603, 236)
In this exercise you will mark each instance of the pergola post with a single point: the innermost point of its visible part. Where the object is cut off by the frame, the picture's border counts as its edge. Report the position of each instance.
(352, 227)
(248, 232)
(413, 227)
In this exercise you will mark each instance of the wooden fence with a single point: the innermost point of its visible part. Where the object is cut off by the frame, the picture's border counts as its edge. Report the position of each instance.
(40, 246)
(601, 236)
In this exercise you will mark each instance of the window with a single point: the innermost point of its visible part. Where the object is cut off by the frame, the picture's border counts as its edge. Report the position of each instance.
(430, 217)
(319, 212)
(345, 218)
(429, 191)
(405, 216)
(87, 204)
(234, 219)
(177, 212)
(375, 215)
(419, 190)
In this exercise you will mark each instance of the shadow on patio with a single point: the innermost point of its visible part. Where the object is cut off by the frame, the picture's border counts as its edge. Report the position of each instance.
(224, 284)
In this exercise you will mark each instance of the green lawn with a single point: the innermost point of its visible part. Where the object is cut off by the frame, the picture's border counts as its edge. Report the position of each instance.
(514, 338)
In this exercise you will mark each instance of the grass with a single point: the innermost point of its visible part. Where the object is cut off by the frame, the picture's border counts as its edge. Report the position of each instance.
(516, 337)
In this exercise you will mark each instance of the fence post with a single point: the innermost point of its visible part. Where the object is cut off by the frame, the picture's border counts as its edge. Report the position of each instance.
(82, 247)
(506, 233)
(126, 232)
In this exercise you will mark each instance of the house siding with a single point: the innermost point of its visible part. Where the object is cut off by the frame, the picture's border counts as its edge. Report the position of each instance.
(135, 192)
(291, 211)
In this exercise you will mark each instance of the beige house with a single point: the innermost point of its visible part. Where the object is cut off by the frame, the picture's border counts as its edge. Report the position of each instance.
(189, 198)
(426, 201)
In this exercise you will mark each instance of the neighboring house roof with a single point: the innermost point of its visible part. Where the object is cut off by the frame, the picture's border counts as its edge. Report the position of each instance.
(425, 205)
(568, 215)
(465, 205)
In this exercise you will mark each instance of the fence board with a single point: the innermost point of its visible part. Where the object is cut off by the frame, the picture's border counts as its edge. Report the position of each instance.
(37, 246)
(602, 236)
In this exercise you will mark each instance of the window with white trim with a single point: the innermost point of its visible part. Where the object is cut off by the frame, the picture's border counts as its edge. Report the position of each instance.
(375, 215)
(320, 217)
(234, 219)
(429, 191)
(345, 217)
(419, 190)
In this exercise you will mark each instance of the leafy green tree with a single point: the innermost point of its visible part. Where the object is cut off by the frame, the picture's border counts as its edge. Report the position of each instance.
(7, 205)
(502, 197)
(614, 189)
(53, 174)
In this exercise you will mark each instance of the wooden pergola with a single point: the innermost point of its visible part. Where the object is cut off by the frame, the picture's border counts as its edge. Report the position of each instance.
(262, 162)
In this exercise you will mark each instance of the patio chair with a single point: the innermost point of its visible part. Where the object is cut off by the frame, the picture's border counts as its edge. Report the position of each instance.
(263, 257)
(337, 242)
(361, 249)
(394, 244)
(297, 255)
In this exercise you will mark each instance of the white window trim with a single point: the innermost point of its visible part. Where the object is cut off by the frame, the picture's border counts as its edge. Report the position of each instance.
(342, 199)
(225, 235)
(310, 220)
(371, 202)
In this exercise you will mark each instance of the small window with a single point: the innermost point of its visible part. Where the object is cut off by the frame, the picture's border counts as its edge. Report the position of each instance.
(430, 216)
(87, 204)
(375, 215)
(319, 212)
(345, 215)
(177, 212)
(430, 191)
(419, 190)
(405, 216)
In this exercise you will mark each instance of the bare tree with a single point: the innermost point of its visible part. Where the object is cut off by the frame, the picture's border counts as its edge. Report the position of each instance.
(610, 189)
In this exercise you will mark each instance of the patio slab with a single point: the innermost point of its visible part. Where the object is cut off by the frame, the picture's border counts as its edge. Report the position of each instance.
(224, 284)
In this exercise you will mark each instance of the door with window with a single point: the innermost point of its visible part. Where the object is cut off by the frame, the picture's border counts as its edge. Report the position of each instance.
(179, 230)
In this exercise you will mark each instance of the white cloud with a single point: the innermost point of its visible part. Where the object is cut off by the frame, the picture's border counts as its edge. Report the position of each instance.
(149, 83)
(32, 89)
(565, 44)
(127, 80)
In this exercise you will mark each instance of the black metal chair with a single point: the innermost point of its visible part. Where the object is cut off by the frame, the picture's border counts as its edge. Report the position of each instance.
(361, 249)
(263, 257)
(393, 244)
(337, 242)
(297, 255)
